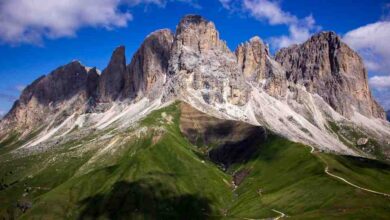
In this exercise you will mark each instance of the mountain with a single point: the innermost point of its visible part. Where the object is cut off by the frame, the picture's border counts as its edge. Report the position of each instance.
(388, 115)
(190, 128)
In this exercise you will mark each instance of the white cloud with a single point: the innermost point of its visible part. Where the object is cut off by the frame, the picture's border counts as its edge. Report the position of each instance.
(380, 87)
(268, 11)
(297, 34)
(271, 12)
(2, 113)
(28, 21)
(382, 95)
(380, 82)
(31, 21)
(225, 3)
(138, 2)
(372, 41)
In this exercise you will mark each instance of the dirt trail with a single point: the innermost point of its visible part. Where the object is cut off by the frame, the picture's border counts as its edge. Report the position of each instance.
(312, 151)
(282, 215)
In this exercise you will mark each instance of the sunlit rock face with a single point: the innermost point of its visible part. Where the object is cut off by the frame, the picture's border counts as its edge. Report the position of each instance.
(328, 67)
(297, 94)
(149, 66)
(203, 62)
(63, 90)
(112, 80)
(260, 69)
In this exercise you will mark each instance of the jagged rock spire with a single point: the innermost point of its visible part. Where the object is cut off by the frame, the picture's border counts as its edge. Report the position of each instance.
(149, 65)
(112, 79)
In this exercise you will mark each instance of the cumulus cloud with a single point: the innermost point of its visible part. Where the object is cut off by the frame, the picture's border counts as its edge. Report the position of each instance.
(268, 11)
(138, 2)
(31, 21)
(380, 86)
(382, 96)
(380, 82)
(372, 41)
(298, 33)
(28, 21)
(300, 29)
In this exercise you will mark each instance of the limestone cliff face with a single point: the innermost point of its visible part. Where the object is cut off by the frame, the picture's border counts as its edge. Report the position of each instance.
(93, 84)
(260, 69)
(294, 94)
(202, 62)
(252, 58)
(328, 67)
(193, 62)
(112, 80)
(63, 88)
(149, 65)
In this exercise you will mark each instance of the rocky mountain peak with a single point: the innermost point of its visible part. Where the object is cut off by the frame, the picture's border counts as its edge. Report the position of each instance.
(199, 34)
(329, 36)
(112, 78)
(191, 19)
(308, 82)
(118, 57)
(93, 83)
(149, 65)
(328, 67)
(48, 94)
(258, 67)
(203, 63)
(59, 85)
(251, 57)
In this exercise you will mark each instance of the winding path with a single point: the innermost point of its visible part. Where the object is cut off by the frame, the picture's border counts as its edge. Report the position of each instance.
(312, 151)
(282, 215)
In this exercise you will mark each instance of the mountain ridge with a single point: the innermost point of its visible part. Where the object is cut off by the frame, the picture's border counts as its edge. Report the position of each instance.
(298, 94)
(189, 129)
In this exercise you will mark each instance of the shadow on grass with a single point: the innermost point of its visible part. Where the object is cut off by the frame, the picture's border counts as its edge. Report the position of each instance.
(144, 199)
(364, 162)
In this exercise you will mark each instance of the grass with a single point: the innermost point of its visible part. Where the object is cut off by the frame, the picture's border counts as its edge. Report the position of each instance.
(349, 136)
(161, 175)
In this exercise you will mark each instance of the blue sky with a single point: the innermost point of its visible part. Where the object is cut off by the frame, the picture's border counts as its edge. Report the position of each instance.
(38, 36)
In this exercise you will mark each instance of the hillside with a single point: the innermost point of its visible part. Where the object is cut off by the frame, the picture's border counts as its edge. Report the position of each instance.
(152, 171)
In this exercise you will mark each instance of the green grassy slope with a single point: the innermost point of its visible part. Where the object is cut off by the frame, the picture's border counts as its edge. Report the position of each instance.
(153, 172)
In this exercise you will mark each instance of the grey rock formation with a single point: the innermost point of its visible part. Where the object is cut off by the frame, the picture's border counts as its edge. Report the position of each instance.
(195, 66)
(259, 68)
(202, 62)
(327, 66)
(50, 94)
(93, 84)
(149, 65)
(112, 79)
